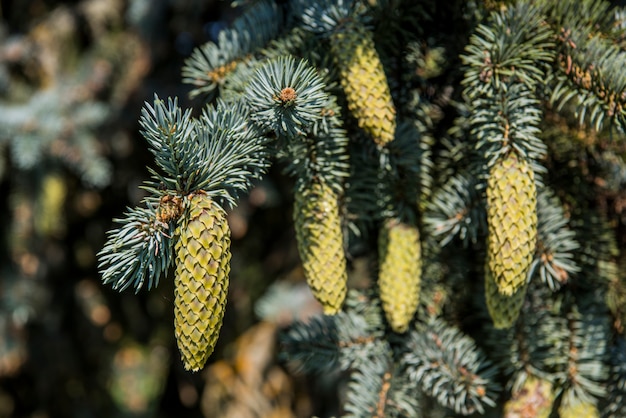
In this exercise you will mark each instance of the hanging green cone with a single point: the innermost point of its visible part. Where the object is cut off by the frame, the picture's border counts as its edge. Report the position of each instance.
(512, 222)
(399, 251)
(202, 268)
(364, 81)
(320, 244)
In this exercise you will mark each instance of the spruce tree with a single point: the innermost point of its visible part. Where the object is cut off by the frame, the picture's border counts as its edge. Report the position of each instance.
(472, 151)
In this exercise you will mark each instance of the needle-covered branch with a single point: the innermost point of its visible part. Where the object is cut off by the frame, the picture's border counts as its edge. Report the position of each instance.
(210, 66)
(139, 251)
(448, 366)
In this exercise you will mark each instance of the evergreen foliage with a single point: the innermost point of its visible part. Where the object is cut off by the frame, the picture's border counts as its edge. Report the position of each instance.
(495, 174)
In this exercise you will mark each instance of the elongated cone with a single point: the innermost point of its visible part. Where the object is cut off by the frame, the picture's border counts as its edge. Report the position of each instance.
(399, 251)
(201, 283)
(512, 222)
(534, 400)
(320, 244)
(364, 81)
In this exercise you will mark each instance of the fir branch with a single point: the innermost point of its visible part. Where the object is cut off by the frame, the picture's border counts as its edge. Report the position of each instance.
(616, 398)
(367, 389)
(210, 65)
(597, 250)
(529, 348)
(362, 194)
(515, 46)
(589, 66)
(455, 153)
(590, 14)
(172, 139)
(234, 151)
(590, 75)
(296, 42)
(322, 17)
(286, 97)
(321, 153)
(377, 390)
(407, 166)
(401, 399)
(325, 343)
(434, 293)
(456, 210)
(219, 153)
(424, 125)
(508, 119)
(260, 22)
(235, 81)
(584, 367)
(331, 117)
(506, 61)
(139, 251)
(449, 367)
(554, 261)
(366, 304)
(618, 26)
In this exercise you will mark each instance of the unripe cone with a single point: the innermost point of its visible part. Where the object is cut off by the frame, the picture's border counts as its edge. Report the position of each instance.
(400, 263)
(201, 283)
(364, 81)
(503, 309)
(320, 244)
(512, 222)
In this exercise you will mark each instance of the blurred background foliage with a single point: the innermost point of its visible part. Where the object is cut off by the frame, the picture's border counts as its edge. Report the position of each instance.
(73, 78)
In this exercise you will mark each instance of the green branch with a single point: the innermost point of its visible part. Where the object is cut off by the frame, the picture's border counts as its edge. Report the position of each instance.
(139, 251)
(448, 366)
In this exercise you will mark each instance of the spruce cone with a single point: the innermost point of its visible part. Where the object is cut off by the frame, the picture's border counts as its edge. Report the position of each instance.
(364, 81)
(512, 221)
(320, 244)
(202, 268)
(504, 309)
(399, 250)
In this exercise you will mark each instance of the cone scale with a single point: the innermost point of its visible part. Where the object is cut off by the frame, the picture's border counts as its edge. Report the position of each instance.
(364, 81)
(399, 278)
(320, 244)
(201, 282)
